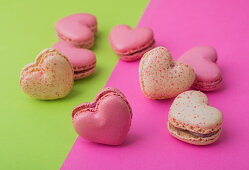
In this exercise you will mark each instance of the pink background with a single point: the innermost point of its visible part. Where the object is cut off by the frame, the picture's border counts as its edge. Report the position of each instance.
(180, 25)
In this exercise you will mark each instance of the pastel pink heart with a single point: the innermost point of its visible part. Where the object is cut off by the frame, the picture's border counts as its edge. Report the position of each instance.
(203, 60)
(83, 60)
(131, 44)
(78, 29)
(106, 120)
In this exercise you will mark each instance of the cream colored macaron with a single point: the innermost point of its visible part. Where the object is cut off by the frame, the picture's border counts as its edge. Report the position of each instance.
(161, 77)
(192, 120)
(50, 77)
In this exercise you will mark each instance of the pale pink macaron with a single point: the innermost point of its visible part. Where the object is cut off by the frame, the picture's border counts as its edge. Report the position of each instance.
(106, 120)
(203, 60)
(83, 60)
(78, 29)
(130, 44)
(192, 120)
(49, 77)
(161, 77)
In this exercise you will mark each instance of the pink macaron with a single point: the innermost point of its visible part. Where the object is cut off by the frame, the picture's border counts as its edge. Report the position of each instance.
(78, 29)
(106, 120)
(203, 60)
(130, 44)
(192, 120)
(83, 60)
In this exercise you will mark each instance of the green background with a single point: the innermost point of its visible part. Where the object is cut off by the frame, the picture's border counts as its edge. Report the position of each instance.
(39, 134)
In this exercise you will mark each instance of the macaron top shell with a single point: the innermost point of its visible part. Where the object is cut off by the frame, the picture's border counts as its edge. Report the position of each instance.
(76, 27)
(161, 77)
(106, 120)
(191, 111)
(124, 39)
(84, 18)
(93, 106)
(203, 60)
(78, 56)
(50, 77)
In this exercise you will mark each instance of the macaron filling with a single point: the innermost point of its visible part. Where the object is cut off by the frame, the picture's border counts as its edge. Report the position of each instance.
(207, 85)
(151, 44)
(201, 135)
(84, 71)
(92, 105)
(62, 37)
(94, 28)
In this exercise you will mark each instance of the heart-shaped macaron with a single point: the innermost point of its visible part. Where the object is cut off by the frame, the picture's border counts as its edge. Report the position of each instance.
(131, 44)
(192, 120)
(83, 60)
(50, 77)
(160, 77)
(203, 60)
(79, 29)
(106, 120)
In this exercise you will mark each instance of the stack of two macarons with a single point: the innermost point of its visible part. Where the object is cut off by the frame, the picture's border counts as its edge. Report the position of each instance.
(76, 34)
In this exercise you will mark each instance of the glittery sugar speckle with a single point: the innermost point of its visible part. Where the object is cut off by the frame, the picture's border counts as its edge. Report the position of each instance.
(160, 77)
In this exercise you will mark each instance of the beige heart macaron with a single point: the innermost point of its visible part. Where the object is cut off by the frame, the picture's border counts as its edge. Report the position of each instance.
(192, 120)
(161, 77)
(50, 77)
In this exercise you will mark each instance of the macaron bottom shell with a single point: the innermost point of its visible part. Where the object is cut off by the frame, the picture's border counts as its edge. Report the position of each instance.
(192, 138)
(80, 74)
(207, 86)
(82, 60)
(136, 55)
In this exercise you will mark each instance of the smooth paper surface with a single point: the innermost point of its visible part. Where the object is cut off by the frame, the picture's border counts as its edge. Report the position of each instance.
(180, 25)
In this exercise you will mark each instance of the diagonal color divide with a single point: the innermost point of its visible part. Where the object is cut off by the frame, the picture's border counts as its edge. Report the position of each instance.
(180, 25)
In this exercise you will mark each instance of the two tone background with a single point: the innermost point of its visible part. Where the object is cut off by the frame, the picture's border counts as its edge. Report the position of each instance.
(39, 134)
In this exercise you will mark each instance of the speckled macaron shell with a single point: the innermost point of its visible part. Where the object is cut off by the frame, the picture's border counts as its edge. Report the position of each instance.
(203, 60)
(50, 77)
(130, 44)
(106, 120)
(79, 29)
(190, 111)
(83, 60)
(160, 77)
